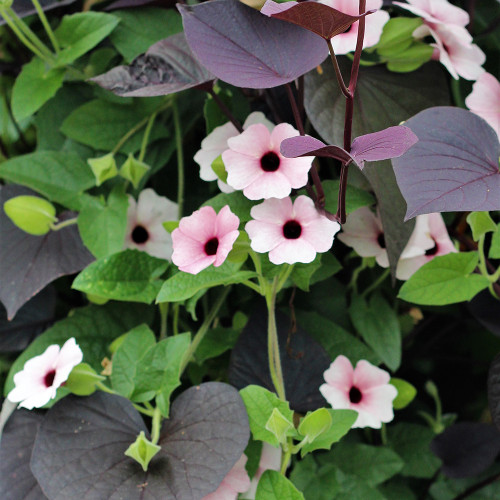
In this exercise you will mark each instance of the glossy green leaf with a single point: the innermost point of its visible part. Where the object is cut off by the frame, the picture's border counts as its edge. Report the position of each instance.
(215, 342)
(355, 197)
(495, 244)
(219, 168)
(397, 35)
(480, 223)
(315, 423)
(183, 286)
(446, 279)
(240, 205)
(274, 486)
(34, 86)
(406, 393)
(130, 276)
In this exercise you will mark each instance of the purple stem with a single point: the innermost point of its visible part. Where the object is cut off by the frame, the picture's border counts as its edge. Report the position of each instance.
(226, 110)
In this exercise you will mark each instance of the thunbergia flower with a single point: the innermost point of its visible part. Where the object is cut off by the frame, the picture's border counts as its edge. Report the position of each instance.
(429, 239)
(36, 384)
(363, 231)
(215, 144)
(270, 459)
(346, 42)
(290, 232)
(144, 224)
(485, 100)
(204, 238)
(255, 164)
(236, 481)
(365, 389)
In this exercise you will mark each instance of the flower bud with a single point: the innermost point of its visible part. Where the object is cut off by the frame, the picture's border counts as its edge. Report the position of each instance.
(142, 450)
(31, 214)
(133, 170)
(104, 168)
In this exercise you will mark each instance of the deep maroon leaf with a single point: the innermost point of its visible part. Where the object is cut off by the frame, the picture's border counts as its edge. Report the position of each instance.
(79, 449)
(467, 448)
(303, 361)
(167, 67)
(383, 99)
(243, 47)
(25, 8)
(494, 390)
(16, 480)
(486, 309)
(454, 166)
(28, 263)
(132, 4)
(321, 19)
(31, 320)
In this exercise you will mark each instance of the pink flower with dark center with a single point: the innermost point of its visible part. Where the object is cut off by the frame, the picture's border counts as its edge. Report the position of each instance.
(216, 143)
(365, 389)
(346, 42)
(204, 238)
(255, 164)
(485, 100)
(363, 231)
(145, 219)
(429, 239)
(236, 481)
(290, 232)
(36, 384)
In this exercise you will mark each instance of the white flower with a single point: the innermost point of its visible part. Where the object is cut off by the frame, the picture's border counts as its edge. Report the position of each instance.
(144, 224)
(36, 384)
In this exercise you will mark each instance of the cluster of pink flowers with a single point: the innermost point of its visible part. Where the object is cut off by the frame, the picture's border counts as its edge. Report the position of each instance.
(363, 231)
(453, 44)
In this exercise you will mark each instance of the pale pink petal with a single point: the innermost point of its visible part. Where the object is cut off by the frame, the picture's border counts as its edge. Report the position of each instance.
(407, 267)
(436, 11)
(263, 235)
(378, 401)
(199, 225)
(254, 141)
(226, 222)
(236, 481)
(196, 266)
(485, 100)
(152, 208)
(296, 170)
(241, 169)
(38, 399)
(258, 117)
(280, 133)
(367, 376)
(420, 240)
(268, 185)
(320, 233)
(270, 459)
(69, 356)
(185, 248)
(366, 419)
(340, 373)
(225, 246)
(292, 251)
(274, 211)
(338, 399)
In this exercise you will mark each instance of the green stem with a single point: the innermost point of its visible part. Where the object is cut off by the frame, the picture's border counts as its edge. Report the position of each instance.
(376, 283)
(263, 284)
(273, 349)
(155, 426)
(129, 134)
(143, 410)
(285, 456)
(180, 158)
(253, 286)
(200, 334)
(383, 434)
(63, 224)
(284, 275)
(355, 275)
(175, 322)
(145, 138)
(46, 25)
(104, 388)
(163, 306)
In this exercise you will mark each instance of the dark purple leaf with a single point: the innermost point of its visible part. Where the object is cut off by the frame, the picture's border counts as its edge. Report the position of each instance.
(17, 482)
(454, 166)
(25, 8)
(167, 67)
(486, 309)
(31, 320)
(303, 361)
(494, 390)
(383, 99)
(383, 145)
(247, 49)
(131, 4)
(79, 449)
(313, 16)
(28, 263)
(467, 448)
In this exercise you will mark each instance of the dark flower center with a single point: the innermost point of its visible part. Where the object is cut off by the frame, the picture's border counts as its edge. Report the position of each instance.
(49, 378)
(381, 240)
(140, 235)
(355, 395)
(433, 250)
(211, 246)
(270, 162)
(292, 230)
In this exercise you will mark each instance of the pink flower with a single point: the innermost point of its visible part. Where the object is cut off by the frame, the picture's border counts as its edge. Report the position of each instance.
(363, 231)
(236, 481)
(36, 384)
(365, 389)
(428, 240)
(346, 42)
(485, 100)
(144, 224)
(215, 144)
(255, 164)
(204, 238)
(270, 459)
(290, 232)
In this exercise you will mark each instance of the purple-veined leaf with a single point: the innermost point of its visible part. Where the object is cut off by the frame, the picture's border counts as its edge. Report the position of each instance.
(79, 449)
(132, 4)
(453, 167)
(168, 66)
(28, 263)
(486, 309)
(383, 145)
(494, 390)
(321, 19)
(25, 8)
(243, 47)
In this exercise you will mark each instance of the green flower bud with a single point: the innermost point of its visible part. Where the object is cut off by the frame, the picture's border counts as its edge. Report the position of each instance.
(82, 380)
(31, 214)
(104, 168)
(142, 450)
(133, 170)
(97, 299)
